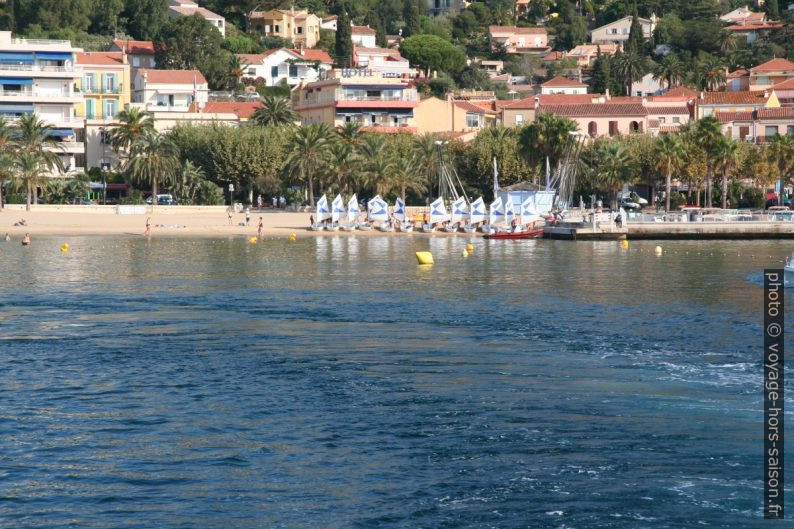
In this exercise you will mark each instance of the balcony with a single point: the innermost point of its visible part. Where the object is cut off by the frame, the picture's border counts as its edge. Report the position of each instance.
(154, 107)
(72, 147)
(34, 68)
(33, 96)
(100, 90)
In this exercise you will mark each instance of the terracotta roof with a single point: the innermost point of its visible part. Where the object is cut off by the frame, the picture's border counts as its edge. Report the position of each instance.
(727, 117)
(754, 26)
(135, 47)
(779, 113)
(517, 30)
(255, 58)
(315, 55)
(775, 65)
(173, 76)
(754, 17)
(329, 18)
(554, 56)
(562, 81)
(113, 58)
(733, 98)
(668, 99)
(785, 85)
(670, 128)
(468, 106)
(567, 99)
(526, 103)
(240, 109)
(654, 111)
(363, 30)
(741, 72)
(187, 11)
(625, 99)
(384, 51)
(682, 91)
(595, 109)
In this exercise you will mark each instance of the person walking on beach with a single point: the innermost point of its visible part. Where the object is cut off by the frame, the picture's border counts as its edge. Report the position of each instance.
(261, 227)
(148, 231)
(26, 240)
(229, 212)
(259, 201)
(247, 216)
(311, 220)
(8, 237)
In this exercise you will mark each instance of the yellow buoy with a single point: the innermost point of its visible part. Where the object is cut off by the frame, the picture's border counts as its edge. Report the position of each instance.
(64, 247)
(470, 247)
(658, 250)
(464, 253)
(292, 236)
(424, 258)
(252, 240)
(624, 244)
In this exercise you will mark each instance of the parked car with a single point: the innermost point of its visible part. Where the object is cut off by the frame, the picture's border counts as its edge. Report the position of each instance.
(162, 200)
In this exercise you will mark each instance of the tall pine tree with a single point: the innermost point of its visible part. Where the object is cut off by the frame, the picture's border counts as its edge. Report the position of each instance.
(602, 74)
(772, 9)
(343, 47)
(636, 40)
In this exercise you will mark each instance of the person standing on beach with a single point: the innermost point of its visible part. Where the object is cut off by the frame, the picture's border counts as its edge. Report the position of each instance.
(247, 216)
(261, 227)
(229, 212)
(148, 231)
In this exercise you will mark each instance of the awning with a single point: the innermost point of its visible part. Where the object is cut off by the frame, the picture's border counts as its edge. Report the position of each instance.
(15, 57)
(15, 109)
(53, 56)
(60, 133)
(16, 80)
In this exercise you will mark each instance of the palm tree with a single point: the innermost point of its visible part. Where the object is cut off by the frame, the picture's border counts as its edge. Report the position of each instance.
(133, 123)
(546, 140)
(237, 68)
(708, 133)
(407, 174)
(156, 161)
(274, 111)
(711, 73)
(29, 172)
(34, 136)
(669, 70)
(308, 150)
(630, 67)
(350, 133)
(727, 157)
(668, 158)
(341, 158)
(727, 42)
(187, 181)
(6, 156)
(377, 165)
(426, 152)
(612, 168)
(781, 151)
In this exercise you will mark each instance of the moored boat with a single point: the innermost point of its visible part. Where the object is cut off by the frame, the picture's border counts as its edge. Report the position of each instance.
(526, 234)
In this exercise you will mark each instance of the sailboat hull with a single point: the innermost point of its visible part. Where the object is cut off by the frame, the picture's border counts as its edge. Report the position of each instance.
(529, 234)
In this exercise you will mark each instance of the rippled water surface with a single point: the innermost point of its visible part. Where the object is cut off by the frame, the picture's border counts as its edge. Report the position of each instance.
(332, 383)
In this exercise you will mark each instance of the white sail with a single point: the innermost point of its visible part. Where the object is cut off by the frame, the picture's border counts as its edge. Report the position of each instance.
(337, 209)
(377, 210)
(323, 212)
(528, 212)
(497, 215)
(509, 211)
(477, 213)
(459, 210)
(399, 210)
(438, 212)
(352, 209)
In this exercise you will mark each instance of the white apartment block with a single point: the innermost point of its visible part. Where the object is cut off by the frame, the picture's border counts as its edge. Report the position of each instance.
(186, 8)
(169, 90)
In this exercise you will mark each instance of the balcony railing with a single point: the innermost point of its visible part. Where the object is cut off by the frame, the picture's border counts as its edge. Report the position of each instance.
(34, 68)
(30, 93)
(101, 90)
(42, 42)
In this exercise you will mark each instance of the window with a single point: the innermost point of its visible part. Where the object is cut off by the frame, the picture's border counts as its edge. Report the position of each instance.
(762, 79)
(251, 71)
(136, 62)
(276, 28)
(744, 132)
(110, 83)
(770, 130)
(613, 128)
(110, 109)
(300, 30)
(790, 130)
(676, 119)
(662, 120)
(473, 121)
(519, 119)
(88, 82)
(274, 71)
(293, 70)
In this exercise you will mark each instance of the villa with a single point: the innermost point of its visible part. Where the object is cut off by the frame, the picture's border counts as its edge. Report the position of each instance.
(518, 40)
(186, 8)
(617, 32)
(169, 90)
(285, 66)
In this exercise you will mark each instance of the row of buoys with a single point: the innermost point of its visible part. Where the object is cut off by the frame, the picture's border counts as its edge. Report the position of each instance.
(426, 258)
(624, 243)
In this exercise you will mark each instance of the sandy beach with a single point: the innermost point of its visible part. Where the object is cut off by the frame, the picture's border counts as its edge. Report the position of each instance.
(189, 221)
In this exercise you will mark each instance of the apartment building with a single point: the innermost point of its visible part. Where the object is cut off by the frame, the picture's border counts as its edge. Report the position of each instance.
(518, 40)
(374, 99)
(140, 53)
(385, 60)
(40, 76)
(759, 125)
(286, 66)
(563, 85)
(617, 32)
(186, 8)
(170, 90)
(300, 26)
(363, 36)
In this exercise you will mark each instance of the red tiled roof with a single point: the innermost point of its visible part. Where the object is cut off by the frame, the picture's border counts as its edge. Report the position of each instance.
(775, 113)
(241, 109)
(312, 54)
(562, 81)
(567, 99)
(754, 26)
(527, 102)
(255, 58)
(385, 51)
(595, 109)
(654, 111)
(173, 76)
(669, 99)
(682, 91)
(775, 65)
(187, 11)
(517, 30)
(135, 47)
(733, 98)
(625, 99)
(363, 30)
(785, 85)
(468, 106)
(554, 56)
(741, 72)
(113, 58)
(727, 117)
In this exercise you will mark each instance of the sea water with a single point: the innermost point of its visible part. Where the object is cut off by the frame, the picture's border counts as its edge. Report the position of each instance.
(331, 382)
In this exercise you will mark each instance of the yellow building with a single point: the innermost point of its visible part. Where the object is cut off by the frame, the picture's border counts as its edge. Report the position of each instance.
(105, 84)
(302, 27)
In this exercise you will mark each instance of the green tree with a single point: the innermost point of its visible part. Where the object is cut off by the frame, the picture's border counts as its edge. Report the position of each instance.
(187, 181)
(350, 133)
(668, 156)
(407, 174)
(29, 172)
(707, 135)
(145, 18)
(33, 137)
(188, 43)
(772, 9)
(412, 22)
(781, 151)
(274, 111)
(308, 150)
(636, 40)
(602, 73)
(156, 162)
(433, 53)
(343, 47)
(374, 21)
(546, 140)
(670, 70)
(630, 67)
(6, 156)
(727, 158)
(611, 169)
(133, 123)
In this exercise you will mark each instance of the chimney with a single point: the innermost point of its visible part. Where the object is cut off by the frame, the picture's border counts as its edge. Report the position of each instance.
(644, 101)
(124, 59)
(766, 94)
(702, 95)
(606, 94)
(537, 102)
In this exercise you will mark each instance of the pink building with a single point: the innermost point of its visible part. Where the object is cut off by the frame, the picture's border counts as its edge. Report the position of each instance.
(519, 40)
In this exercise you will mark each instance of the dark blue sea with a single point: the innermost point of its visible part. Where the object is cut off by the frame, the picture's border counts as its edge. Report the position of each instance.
(332, 383)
